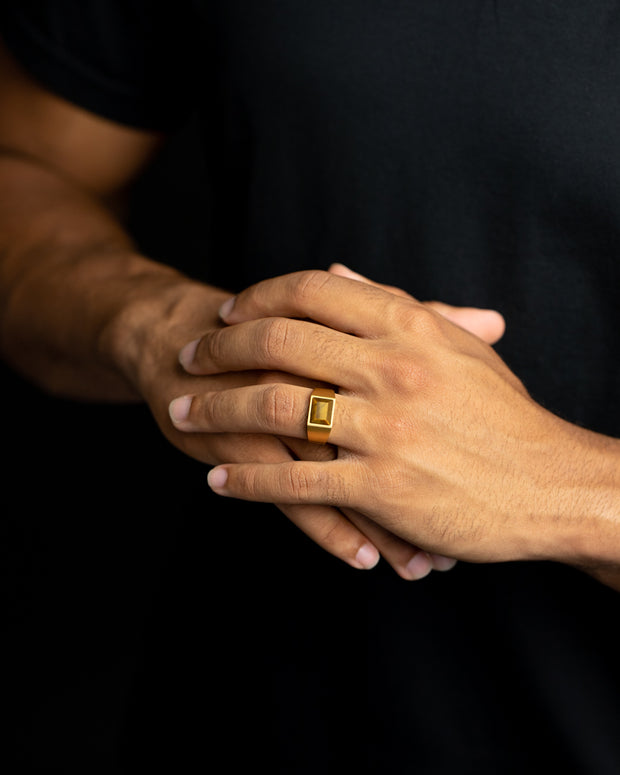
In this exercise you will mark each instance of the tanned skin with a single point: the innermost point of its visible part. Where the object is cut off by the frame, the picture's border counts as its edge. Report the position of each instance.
(85, 315)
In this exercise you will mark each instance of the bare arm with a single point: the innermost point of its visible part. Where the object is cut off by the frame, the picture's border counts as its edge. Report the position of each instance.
(84, 315)
(66, 264)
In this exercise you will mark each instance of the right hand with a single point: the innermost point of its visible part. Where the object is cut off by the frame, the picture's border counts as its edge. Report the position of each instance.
(489, 326)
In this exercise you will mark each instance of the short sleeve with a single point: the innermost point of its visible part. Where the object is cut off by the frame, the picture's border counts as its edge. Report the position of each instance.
(131, 61)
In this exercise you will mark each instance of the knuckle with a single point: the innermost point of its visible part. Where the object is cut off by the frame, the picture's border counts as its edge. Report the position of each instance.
(247, 482)
(211, 407)
(308, 485)
(276, 407)
(274, 337)
(426, 324)
(298, 482)
(330, 534)
(416, 319)
(399, 313)
(212, 348)
(308, 285)
(401, 372)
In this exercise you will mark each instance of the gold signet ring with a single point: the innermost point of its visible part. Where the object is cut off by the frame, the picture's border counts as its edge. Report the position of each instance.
(320, 415)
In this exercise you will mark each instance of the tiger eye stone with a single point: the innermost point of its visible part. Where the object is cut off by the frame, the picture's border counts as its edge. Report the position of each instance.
(321, 411)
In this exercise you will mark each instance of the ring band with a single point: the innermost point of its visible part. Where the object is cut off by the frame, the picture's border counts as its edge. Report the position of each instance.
(320, 415)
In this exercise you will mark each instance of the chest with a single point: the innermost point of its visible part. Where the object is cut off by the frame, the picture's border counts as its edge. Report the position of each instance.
(537, 75)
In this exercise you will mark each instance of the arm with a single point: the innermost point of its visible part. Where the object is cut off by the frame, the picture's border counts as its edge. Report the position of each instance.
(84, 315)
(58, 167)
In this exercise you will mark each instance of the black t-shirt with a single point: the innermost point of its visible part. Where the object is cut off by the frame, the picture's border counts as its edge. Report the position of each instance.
(468, 152)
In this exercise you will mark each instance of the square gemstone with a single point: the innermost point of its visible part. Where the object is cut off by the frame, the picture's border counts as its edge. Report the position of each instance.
(321, 411)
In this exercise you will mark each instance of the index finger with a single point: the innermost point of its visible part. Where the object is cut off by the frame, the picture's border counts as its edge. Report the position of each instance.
(347, 305)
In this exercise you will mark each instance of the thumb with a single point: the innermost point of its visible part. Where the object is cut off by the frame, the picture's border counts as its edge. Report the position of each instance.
(486, 324)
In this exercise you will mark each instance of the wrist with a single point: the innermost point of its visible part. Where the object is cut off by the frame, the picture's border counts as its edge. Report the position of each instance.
(582, 519)
(160, 312)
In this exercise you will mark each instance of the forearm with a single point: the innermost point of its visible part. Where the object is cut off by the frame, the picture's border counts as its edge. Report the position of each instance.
(68, 273)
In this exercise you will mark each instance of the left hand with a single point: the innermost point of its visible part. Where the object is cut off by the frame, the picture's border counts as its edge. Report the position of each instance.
(438, 441)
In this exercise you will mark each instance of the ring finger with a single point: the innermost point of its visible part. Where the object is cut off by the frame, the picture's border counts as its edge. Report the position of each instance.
(276, 409)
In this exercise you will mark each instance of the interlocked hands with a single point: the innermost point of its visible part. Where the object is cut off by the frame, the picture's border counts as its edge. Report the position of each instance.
(438, 442)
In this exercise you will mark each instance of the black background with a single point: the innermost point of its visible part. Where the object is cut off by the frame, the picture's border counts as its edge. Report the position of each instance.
(149, 626)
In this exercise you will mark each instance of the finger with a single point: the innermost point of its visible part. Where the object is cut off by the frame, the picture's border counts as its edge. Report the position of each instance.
(358, 308)
(487, 324)
(302, 483)
(277, 410)
(324, 525)
(442, 563)
(310, 350)
(295, 482)
(334, 533)
(410, 562)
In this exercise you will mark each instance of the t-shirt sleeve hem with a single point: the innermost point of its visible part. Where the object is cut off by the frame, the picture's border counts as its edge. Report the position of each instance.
(67, 78)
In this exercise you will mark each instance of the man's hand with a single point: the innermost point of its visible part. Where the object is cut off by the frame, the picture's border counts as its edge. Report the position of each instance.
(85, 315)
(330, 528)
(489, 325)
(145, 341)
(438, 441)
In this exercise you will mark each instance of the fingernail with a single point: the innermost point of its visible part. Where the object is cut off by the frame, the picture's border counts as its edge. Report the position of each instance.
(442, 563)
(419, 566)
(367, 557)
(179, 409)
(217, 478)
(187, 354)
(227, 308)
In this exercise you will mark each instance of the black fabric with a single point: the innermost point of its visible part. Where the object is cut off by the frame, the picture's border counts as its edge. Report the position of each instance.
(130, 62)
(465, 150)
